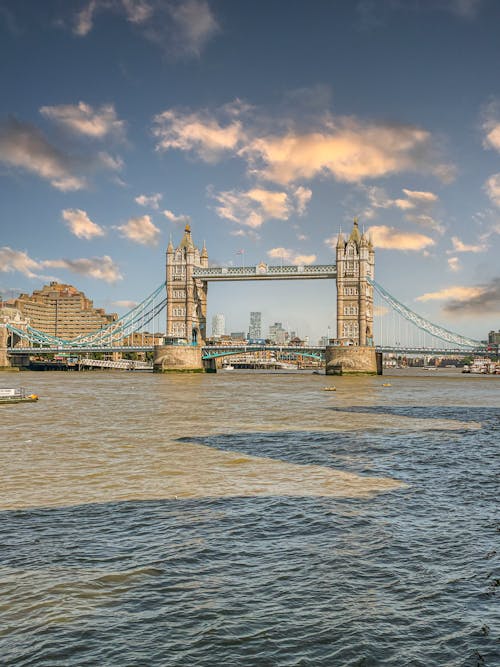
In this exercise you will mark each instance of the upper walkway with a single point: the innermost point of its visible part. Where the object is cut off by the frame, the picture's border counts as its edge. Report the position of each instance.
(265, 272)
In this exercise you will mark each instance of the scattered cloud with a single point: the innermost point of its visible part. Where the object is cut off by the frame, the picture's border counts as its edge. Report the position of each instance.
(456, 292)
(454, 264)
(462, 300)
(200, 133)
(81, 225)
(391, 238)
(287, 255)
(459, 246)
(180, 219)
(24, 146)
(152, 201)
(302, 198)
(125, 303)
(141, 230)
(181, 28)
(344, 148)
(17, 260)
(257, 205)
(482, 300)
(490, 124)
(101, 268)
(82, 119)
(416, 204)
(492, 187)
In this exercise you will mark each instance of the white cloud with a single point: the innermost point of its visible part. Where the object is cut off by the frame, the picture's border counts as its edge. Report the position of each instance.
(492, 187)
(153, 201)
(180, 219)
(394, 239)
(182, 28)
(458, 293)
(199, 133)
(24, 146)
(194, 25)
(16, 260)
(255, 206)
(459, 246)
(416, 204)
(141, 230)
(82, 119)
(80, 224)
(302, 198)
(125, 303)
(101, 268)
(344, 148)
(454, 264)
(287, 255)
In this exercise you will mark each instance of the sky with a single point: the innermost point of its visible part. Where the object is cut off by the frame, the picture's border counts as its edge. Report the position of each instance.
(268, 126)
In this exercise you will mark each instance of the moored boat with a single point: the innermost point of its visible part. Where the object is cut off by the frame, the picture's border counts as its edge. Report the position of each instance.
(16, 395)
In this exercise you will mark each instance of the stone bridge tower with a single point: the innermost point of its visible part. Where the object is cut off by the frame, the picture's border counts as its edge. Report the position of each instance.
(355, 263)
(186, 295)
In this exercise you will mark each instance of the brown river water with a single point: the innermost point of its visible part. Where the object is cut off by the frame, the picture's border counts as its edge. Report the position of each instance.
(250, 518)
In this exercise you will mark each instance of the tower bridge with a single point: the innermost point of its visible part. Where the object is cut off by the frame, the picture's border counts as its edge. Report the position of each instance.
(183, 296)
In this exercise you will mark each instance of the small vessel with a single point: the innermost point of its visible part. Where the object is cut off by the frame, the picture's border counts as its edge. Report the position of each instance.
(332, 388)
(386, 384)
(17, 395)
(228, 367)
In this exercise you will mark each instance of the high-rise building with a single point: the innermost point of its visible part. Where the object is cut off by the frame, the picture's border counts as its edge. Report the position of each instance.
(277, 334)
(218, 325)
(62, 311)
(255, 328)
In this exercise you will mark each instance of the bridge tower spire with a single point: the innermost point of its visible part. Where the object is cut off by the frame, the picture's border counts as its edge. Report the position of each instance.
(355, 263)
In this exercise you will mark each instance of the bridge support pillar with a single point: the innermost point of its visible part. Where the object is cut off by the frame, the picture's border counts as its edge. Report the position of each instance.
(351, 360)
(4, 359)
(177, 359)
(210, 365)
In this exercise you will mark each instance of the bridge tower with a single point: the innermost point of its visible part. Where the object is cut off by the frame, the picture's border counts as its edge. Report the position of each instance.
(354, 352)
(186, 295)
(355, 263)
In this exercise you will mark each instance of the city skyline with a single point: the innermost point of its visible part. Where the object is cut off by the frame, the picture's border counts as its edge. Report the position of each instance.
(125, 120)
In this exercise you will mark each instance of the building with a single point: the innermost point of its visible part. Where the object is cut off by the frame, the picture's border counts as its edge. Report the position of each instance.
(237, 335)
(62, 311)
(255, 328)
(277, 334)
(186, 295)
(218, 325)
(355, 264)
(494, 338)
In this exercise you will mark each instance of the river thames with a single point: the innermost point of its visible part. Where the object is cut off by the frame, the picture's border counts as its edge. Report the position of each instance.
(250, 519)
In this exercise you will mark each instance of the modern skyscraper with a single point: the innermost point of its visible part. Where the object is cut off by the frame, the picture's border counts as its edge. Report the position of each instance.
(218, 325)
(255, 328)
(278, 334)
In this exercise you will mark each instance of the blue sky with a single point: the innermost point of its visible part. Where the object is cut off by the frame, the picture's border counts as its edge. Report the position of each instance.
(267, 126)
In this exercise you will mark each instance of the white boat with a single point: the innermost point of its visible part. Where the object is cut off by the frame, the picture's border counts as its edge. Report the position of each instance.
(16, 395)
(228, 367)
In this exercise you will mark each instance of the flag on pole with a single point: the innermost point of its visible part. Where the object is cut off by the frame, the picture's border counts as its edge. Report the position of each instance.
(240, 252)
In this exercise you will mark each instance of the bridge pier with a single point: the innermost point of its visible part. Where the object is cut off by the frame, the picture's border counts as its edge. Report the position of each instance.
(352, 360)
(177, 359)
(4, 359)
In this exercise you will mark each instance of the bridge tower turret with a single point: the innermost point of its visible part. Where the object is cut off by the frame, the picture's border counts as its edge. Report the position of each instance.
(355, 263)
(186, 295)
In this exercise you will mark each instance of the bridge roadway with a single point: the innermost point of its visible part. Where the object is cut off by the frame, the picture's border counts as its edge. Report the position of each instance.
(213, 351)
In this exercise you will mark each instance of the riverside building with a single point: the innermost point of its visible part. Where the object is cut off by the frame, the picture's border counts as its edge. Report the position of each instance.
(61, 310)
